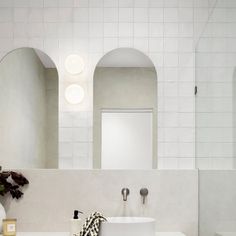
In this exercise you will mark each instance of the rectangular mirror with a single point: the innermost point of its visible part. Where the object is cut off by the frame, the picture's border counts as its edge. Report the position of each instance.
(126, 139)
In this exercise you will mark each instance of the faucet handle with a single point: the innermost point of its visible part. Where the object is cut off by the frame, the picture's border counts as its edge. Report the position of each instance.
(144, 193)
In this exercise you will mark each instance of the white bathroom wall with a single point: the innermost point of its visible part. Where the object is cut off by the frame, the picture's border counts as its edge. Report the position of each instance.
(202, 13)
(217, 209)
(52, 195)
(215, 78)
(163, 29)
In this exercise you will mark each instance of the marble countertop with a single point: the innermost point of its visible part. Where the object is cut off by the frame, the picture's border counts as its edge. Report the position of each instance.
(225, 234)
(68, 234)
(41, 234)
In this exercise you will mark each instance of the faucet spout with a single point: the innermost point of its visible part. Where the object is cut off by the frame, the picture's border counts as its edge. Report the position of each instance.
(125, 193)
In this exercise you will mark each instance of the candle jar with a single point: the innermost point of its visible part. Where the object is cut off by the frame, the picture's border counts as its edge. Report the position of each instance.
(9, 227)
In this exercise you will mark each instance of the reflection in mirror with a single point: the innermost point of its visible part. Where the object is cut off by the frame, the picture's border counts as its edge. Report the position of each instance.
(28, 110)
(125, 111)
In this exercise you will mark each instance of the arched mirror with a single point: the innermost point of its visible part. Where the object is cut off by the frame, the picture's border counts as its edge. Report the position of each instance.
(125, 111)
(28, 110)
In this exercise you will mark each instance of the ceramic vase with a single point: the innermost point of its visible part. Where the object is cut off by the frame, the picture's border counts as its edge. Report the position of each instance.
(2, 216)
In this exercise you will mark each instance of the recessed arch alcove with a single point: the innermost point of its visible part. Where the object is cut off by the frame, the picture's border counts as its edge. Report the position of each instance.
(125, 98)
(28, 110)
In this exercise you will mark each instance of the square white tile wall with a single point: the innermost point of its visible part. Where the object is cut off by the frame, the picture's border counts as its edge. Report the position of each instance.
(165, 30)
(215, 77)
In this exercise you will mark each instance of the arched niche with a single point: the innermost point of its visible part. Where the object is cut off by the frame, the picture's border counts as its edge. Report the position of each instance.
(125, 111)
(28, 110)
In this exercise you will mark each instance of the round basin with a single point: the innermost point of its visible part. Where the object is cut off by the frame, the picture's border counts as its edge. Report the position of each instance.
(128, 226)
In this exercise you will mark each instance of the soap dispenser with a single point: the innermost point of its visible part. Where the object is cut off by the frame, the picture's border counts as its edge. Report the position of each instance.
(76, 223)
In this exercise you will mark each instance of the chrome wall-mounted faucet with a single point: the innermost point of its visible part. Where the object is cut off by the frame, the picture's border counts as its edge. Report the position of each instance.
(125, 193)
(144, 193)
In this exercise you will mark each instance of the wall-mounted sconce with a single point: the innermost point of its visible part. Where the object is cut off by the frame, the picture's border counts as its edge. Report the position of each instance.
(74, 94)
(74, 64)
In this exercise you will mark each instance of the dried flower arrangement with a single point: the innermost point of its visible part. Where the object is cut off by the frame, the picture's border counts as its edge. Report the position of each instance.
(11, 182)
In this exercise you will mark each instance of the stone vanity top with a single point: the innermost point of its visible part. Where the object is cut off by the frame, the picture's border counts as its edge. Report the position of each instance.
(41, 234)
(67, 234)
(225, 234)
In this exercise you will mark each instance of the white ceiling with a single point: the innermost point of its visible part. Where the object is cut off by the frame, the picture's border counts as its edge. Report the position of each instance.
(125, 57)
(45, 59)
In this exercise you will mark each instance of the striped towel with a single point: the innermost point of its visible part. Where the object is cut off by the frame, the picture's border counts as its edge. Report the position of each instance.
(91, 226)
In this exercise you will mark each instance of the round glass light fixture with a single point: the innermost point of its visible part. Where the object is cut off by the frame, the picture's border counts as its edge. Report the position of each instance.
(74, 64)
(74, 94)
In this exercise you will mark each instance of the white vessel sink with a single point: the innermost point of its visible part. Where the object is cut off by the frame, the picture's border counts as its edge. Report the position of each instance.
(128, 226)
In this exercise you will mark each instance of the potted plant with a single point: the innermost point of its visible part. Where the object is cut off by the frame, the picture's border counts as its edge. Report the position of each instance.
(11, 183)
